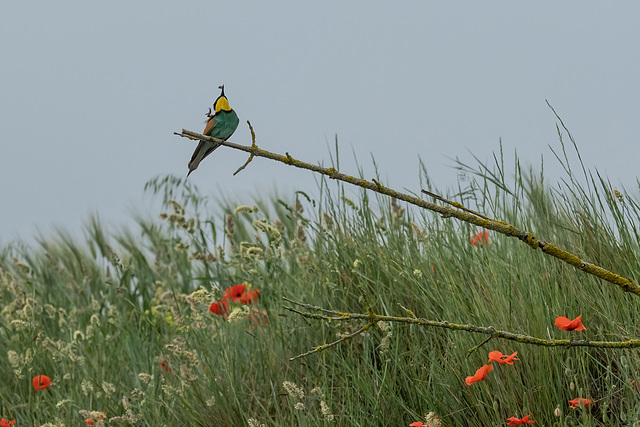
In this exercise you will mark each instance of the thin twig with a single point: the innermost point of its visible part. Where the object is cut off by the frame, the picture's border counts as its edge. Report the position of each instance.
(326, 346)
(625, 284)
(253, 145)
(473, 349)
(454, 204)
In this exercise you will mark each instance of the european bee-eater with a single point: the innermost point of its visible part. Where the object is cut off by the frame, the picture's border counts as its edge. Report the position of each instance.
(221, 124)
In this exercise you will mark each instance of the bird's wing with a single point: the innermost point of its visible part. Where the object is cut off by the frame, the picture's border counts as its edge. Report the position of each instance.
(210, 124)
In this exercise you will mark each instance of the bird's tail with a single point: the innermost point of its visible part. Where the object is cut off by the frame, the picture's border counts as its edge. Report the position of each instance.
(202, 151)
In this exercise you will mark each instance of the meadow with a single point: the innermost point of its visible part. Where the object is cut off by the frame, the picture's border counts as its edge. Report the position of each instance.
(121, 321)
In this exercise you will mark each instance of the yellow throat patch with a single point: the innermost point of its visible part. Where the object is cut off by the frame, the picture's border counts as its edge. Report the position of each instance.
(222, 103)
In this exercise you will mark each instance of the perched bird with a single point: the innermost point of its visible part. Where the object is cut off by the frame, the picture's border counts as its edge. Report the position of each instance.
(221, 124)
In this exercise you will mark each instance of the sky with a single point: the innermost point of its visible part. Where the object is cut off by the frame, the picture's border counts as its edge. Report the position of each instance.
(91, 93)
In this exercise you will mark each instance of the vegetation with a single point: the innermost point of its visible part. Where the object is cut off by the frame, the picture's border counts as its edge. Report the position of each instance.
(120, 321)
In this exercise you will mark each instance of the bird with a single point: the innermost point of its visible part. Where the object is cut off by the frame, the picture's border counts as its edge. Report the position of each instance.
(221, 124)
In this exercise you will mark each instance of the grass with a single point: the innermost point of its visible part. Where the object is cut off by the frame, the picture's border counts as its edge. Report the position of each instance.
(99, 316)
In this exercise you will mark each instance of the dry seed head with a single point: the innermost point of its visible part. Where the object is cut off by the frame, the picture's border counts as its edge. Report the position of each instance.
(252, 422)
(293, 390)
(431, 420)
(617, 194)
(272, 233)
(279, 225)
(229, 225)
(145, 378)
(238, 313)
(15, 361)
(246, 209)
(179, 247)
(109, 389)
(63, 402)
(350, 203)
(254, 251)
(19, 325)
(300, 234)
(328, 221)
(86, 387)
(396, 209)
(326, 412)
(386, 340)
(177, 207)
(175, 218)
(199, 296)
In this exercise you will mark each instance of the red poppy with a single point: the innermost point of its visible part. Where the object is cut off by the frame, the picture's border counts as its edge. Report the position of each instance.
(5, 423)
(513, 421)
(234, 293)
(417, 424)
(496, 356)
(570, 325)
(250, 296)
(221, 308)
(41, 382)
(91, 421)
(480, 239)
(479, 375)
(576, 402)
(165, 366)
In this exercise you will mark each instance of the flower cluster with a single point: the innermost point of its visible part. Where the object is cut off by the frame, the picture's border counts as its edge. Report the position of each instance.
(480, 239)
(494, 356)
(95, 416)
(239, 294)
(563, 323)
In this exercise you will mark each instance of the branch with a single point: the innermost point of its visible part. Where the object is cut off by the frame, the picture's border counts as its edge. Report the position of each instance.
(373, 318)
(626, 285)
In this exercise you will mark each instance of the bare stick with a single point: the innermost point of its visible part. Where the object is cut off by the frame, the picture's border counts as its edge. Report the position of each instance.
(492, 332)
(626, 285)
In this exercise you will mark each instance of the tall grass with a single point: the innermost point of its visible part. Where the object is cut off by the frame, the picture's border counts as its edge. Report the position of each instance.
(100, 315)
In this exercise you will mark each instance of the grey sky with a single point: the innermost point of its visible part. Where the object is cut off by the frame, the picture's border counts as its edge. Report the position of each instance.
(91, 92)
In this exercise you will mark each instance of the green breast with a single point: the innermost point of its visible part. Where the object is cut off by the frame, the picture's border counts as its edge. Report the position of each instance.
(226, 124)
